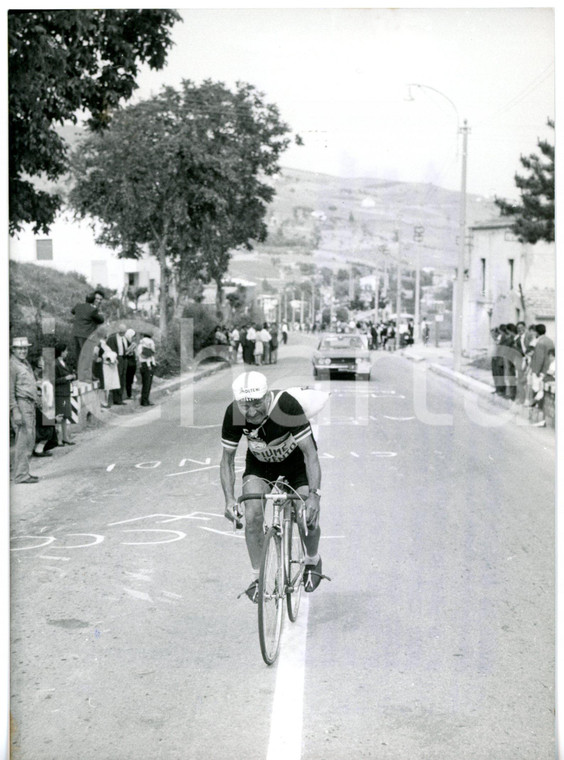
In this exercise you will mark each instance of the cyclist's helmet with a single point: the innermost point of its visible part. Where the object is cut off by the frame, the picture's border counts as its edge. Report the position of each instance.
(250, 386)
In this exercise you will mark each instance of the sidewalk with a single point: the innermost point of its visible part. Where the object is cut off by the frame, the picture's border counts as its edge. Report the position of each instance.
(475, 375)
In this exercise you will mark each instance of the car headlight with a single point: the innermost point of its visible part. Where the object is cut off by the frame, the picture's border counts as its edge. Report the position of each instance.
(361, 360)
(325, 360)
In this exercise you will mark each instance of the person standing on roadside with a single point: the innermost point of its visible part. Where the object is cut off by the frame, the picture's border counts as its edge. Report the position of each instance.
(284, 333)
(146, 355)
(130, 361)
(63, 378)
(540, 360)
(273, 344)
(87, 319)
(24, 399)
(118, 344)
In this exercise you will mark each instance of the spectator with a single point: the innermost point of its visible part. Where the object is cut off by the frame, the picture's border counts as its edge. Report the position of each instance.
(274, 344)
(146, 356)
(87, 319)
(498, 364)
(235, 342)
(220, 336)
(118, 344)
(520, 345)
(130, 361)
(258, 350)
(284, 333)
(63, 379)
(251, 338)
(425, 331)
(265, 336)
(540, 360)
(45, 421)
(23, 402)
(540, 396)
(510, 359)
(105, 368)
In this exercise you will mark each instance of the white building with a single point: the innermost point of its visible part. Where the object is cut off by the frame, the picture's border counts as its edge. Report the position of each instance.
(507, 281)
(70, 247)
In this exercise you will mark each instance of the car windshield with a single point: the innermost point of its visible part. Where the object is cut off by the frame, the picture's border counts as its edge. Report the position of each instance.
(341, 341)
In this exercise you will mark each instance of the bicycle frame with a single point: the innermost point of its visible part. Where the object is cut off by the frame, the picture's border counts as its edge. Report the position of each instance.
(286, 582)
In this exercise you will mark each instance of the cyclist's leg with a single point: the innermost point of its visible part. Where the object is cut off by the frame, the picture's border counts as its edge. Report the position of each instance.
(254, 534)
(311, 541)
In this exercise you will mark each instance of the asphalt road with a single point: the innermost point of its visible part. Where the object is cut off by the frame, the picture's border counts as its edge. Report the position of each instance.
(433, 640)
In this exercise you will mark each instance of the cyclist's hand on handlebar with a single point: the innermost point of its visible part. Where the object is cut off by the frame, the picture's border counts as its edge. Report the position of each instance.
(233, 513)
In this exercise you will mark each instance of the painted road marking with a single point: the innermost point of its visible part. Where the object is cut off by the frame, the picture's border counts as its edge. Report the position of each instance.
(286, 723)
(179, 535)
(187, 472)
(194, 461)
(47, 556)
(230, 533)
(171, 518)
(49, 540)
(398, 419)
(354, 454)
(384, 453)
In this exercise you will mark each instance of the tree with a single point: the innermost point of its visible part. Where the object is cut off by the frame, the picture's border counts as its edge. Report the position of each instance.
(182, 174)
(61, 63)
(534, 215)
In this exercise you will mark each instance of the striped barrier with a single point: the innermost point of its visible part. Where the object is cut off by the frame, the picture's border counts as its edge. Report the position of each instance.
(80, 388)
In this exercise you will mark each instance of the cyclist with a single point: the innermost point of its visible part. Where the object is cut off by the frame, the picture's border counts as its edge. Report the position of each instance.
(279, 442)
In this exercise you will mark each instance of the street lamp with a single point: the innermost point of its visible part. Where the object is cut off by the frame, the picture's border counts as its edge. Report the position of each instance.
(459, 291)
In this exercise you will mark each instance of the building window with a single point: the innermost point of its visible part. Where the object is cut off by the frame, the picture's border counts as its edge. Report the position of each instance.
(44, 250)
(151, 287)
(133, 279)
(511, 262)
(483, 277)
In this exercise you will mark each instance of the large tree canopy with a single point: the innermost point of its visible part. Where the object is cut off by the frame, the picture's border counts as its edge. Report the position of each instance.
(534, 215)
(183, 175)
(61, 63)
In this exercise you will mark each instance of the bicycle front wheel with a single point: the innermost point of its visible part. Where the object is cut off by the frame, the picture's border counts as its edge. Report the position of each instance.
(294, 557)
(270, 597)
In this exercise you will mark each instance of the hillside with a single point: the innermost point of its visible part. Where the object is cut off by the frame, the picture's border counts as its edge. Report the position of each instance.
(328, 220)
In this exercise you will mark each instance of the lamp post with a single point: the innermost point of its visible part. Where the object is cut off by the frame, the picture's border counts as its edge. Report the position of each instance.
(458, 305)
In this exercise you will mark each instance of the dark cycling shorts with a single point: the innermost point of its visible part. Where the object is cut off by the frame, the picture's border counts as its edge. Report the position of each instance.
(294, 471)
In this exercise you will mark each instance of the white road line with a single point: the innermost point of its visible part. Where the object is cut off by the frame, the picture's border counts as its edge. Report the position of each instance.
(230, 533)
(398, 419)
(187, 472)
(286, 722)
(47, 556)
(354, 454)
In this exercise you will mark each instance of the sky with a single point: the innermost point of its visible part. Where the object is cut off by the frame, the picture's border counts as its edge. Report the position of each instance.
(340, 78)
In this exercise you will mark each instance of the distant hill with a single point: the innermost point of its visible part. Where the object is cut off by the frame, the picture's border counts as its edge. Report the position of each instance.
(324, 219)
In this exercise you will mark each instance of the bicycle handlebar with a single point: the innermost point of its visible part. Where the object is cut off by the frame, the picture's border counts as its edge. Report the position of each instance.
(284, 496)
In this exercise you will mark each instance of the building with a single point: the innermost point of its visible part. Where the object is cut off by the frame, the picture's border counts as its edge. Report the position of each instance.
(71, 247)
(506, 281)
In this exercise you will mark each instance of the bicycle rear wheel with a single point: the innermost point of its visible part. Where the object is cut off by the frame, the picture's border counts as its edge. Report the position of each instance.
(270, 597)
(294, 556)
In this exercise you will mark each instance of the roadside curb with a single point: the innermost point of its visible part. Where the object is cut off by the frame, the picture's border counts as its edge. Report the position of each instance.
(169, 386)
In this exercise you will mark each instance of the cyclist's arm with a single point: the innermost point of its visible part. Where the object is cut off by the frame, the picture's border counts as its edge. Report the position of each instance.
(313, 470)
(227, 477)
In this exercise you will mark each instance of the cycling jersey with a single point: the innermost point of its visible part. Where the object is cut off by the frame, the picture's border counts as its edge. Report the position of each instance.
(276, 438)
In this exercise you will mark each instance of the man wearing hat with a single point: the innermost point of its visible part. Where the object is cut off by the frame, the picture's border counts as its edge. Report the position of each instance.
(23, 401)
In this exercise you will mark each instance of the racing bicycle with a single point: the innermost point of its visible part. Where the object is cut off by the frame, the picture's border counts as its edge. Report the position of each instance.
(283, 562)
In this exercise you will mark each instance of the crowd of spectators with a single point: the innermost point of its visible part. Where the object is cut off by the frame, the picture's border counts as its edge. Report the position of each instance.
(40, 395)
(253, 344)
(523, 365)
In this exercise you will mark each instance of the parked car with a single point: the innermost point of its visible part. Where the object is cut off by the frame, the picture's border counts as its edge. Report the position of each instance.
(342, 353)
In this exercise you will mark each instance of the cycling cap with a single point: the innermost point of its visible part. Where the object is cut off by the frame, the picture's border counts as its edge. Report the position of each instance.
(250, 386)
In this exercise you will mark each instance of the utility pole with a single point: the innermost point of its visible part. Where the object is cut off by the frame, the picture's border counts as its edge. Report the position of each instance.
(398, 289)
(458, 320)
(418, 237)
